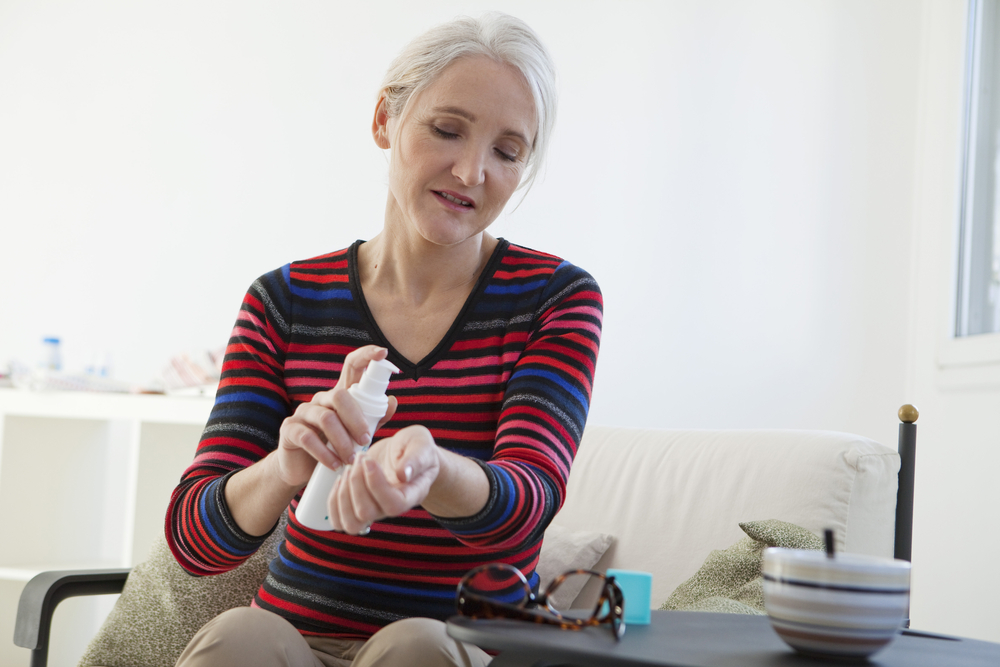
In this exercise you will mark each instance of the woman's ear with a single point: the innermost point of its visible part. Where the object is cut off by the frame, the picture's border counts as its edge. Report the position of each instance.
(380, 125)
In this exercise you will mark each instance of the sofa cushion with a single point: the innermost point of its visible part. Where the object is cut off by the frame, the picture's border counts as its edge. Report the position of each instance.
(670, 497)
(564, 550)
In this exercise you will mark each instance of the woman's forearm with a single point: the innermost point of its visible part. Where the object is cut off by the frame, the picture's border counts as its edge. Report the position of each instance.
(256, 496)
(461, 488)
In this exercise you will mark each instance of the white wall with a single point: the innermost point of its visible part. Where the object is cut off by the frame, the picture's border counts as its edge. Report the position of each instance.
(739, 176)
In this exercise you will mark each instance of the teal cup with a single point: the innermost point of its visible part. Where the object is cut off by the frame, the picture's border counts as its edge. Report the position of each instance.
(637, 588)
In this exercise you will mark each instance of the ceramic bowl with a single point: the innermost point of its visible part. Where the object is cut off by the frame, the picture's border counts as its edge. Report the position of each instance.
(847, 605)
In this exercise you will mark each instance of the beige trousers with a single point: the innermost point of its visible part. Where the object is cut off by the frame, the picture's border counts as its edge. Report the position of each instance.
(247, 636)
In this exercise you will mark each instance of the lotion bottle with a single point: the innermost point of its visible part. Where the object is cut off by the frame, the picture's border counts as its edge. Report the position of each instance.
(312, 511)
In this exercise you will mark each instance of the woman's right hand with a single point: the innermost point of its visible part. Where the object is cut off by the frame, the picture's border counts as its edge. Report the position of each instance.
(327, 427)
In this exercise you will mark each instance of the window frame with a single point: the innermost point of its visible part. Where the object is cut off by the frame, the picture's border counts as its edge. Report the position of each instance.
(973, 156)
(968, 360)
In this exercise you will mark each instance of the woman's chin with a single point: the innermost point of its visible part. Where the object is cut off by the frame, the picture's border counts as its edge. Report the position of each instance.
(449, 235)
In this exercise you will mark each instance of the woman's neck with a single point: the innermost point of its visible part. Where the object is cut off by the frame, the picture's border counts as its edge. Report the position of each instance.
(416, 271)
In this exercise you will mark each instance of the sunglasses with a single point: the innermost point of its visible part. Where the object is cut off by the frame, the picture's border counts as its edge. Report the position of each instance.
(499, 590)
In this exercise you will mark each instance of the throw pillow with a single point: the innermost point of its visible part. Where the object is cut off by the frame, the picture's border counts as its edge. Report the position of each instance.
(730, 581)
(162, 606)
(564, 550)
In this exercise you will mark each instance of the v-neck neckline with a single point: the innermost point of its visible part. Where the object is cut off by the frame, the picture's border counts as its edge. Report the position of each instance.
(409, 368)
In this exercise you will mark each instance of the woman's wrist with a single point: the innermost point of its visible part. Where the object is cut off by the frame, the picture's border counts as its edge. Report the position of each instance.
(256, 496)
(461, 488)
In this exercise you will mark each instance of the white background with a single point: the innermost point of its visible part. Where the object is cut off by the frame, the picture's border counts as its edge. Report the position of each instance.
(765, 190)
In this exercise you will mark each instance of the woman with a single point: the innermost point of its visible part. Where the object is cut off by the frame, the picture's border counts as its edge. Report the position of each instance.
(496, 345)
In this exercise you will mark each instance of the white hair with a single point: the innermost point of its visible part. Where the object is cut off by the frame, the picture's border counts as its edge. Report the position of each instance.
(503, 38)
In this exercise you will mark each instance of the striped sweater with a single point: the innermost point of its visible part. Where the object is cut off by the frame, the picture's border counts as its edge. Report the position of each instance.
(508, 386)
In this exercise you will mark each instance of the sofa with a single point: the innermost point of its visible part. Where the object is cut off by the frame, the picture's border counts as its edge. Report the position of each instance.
(654, 500)
(671, 497)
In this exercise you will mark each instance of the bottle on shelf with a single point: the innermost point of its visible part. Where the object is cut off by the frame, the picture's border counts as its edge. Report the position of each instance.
(51, 354)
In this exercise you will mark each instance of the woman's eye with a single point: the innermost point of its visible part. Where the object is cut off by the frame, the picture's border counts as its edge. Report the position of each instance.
(444, 133)
(510, 157)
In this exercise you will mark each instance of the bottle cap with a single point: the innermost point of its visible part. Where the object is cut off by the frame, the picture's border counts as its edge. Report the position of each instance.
(376, 377)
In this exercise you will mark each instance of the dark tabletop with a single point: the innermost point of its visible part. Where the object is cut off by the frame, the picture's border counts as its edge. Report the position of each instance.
(697, 639)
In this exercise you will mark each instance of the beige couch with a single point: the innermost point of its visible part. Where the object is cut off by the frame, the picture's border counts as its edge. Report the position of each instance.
(669, 497)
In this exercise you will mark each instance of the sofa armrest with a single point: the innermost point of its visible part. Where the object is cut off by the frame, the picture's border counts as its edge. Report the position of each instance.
(45, 591)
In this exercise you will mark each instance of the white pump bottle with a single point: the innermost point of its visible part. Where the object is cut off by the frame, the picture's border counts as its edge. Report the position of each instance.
(312, 511)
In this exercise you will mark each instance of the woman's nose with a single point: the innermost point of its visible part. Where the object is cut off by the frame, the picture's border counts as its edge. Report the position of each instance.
(470, 165)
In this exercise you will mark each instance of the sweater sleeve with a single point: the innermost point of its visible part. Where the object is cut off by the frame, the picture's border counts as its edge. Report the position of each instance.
(544, 411)
(242, 429)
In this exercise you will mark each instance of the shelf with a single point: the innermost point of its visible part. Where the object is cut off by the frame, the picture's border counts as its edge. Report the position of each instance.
(105, 406)
(85, 479)
(98, 468)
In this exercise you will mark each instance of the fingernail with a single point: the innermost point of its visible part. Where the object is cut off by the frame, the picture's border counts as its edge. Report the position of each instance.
(408, 471)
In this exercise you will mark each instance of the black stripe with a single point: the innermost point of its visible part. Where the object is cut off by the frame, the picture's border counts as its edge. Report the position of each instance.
(831, 587)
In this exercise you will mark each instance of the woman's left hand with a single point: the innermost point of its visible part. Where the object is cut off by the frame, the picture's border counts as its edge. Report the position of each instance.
(394, 476)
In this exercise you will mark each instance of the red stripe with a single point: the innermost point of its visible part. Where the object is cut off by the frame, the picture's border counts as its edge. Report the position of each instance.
(320, 279)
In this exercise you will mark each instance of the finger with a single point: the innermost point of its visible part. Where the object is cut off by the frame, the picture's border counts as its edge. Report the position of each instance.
(343, 507)
(351, 371)
(390, 499)
(335, 503)
(415, 453)
(356, 362)
(393, 404)
(365, 507)
(300, 435)
(329, 426)
(352, 418)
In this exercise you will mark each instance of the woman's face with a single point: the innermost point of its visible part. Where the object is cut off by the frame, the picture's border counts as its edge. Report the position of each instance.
(462, 148)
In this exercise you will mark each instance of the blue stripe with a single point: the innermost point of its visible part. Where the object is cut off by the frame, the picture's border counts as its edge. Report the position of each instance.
(318, 294)
(553, 377)
(516, 288)
(210, 491)
(248, 396)
(275, 285)
(203, 510)
(321, 295)
(351, 582)
(505, 488)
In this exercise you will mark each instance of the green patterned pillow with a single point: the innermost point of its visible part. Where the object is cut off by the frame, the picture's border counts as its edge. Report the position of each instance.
(729, 581)
(162, 606)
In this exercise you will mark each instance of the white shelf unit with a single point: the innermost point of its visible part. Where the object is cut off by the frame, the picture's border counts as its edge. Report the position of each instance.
(84, 483)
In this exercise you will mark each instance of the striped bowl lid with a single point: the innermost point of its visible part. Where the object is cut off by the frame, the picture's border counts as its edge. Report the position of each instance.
(842, 569)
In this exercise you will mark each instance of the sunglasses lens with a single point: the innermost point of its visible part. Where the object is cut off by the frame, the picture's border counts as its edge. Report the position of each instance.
(574, 595)
(499, 584)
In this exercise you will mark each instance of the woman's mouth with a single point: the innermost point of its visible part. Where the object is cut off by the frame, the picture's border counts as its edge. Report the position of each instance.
(455, 199)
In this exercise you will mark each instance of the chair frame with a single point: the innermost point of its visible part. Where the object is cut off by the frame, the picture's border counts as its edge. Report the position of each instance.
(46, 590)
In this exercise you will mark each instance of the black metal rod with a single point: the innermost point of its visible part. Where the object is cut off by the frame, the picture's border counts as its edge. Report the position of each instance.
(904, 494)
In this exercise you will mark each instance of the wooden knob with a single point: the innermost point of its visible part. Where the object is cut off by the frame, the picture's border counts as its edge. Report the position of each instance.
(908, 414)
